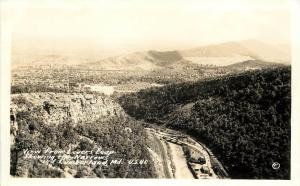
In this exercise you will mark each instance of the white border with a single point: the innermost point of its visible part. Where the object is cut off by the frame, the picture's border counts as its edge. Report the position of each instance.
(295, 137)
(5, 57)
(5, 75)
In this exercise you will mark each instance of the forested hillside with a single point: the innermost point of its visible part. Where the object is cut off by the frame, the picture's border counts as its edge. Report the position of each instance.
(75, 122)
(244, 119)
(164, 58)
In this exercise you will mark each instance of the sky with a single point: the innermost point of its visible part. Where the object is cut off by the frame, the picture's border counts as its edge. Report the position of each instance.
(118, 26)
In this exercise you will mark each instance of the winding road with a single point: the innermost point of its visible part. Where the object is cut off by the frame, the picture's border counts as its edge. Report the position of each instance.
(178, 163)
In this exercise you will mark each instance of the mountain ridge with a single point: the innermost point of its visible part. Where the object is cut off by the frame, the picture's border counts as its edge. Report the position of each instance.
(232, 51)
(252, 48)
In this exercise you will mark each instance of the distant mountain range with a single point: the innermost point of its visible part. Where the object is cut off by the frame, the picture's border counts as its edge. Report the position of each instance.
(247, 48)
(220, 54)
(148, 60)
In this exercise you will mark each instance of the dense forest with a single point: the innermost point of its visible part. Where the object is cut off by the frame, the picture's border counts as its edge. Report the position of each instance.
(120, 134)
(244, 119)
(32, 88)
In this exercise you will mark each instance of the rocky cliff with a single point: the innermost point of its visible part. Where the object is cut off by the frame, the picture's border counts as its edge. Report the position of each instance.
(55, 108)
(74, 122)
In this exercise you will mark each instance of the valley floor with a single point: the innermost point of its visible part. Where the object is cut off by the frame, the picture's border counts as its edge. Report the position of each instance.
(171, 161)
(181, 169)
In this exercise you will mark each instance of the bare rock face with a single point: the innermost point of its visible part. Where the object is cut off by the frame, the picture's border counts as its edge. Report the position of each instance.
(55, 108)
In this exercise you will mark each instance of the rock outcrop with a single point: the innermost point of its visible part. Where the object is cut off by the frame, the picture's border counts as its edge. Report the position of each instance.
(74, 122)
(55, 108)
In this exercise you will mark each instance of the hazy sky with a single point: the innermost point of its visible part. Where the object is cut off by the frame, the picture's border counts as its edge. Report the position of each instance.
(131, 25)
